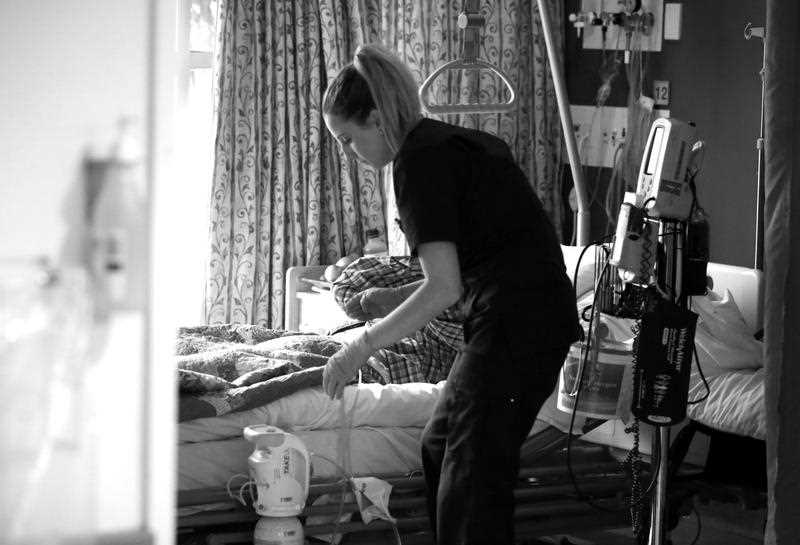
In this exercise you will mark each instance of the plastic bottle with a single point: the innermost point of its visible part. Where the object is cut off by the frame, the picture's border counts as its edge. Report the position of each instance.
(118, 227)
(278, 531)
(374, 246)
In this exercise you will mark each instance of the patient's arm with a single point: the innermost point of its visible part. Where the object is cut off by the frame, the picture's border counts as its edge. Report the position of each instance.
(377, 302)
(440, 289)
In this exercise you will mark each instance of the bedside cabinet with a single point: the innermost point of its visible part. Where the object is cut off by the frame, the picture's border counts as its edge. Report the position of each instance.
(319, 312)
(306, 309)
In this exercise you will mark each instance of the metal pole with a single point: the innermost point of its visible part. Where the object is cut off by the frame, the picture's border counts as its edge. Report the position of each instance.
(659, 502)
(582, 228)
(758, 261)
(672, 234)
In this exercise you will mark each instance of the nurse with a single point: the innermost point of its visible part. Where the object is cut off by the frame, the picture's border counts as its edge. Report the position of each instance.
(484, 241)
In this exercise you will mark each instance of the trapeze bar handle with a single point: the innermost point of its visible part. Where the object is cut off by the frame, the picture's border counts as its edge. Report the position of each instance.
(471, 108)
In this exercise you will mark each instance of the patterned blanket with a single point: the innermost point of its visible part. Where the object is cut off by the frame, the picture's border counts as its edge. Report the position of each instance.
(228, 368)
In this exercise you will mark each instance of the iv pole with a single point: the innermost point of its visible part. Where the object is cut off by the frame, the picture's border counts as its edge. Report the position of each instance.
(749, 32)
(582, 227)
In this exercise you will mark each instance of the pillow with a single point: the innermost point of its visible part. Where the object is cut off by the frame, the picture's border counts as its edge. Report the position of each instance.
(723, 338)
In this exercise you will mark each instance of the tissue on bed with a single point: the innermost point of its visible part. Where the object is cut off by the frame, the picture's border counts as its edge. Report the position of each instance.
(723, 339)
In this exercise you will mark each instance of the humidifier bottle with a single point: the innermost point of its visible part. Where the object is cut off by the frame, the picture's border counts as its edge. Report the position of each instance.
(278, 531)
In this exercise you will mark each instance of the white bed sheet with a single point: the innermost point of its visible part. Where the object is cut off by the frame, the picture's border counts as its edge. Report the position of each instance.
(394, 405)
(387, 425)
(746, 416)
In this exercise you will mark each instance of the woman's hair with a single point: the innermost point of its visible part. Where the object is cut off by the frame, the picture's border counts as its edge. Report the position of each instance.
(376, 80)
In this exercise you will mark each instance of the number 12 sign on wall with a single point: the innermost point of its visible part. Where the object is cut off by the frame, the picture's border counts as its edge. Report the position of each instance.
(661, 92)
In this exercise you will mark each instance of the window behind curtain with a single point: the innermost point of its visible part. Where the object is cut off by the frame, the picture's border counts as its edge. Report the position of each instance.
(194, 159)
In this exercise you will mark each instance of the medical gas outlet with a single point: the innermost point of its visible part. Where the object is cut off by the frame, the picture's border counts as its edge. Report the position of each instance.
(627, 25)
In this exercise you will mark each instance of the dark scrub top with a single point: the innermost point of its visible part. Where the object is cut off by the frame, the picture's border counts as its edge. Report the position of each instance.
(463, 186)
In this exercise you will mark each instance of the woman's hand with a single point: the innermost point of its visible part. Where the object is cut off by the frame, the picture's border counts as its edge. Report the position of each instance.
(344, 364)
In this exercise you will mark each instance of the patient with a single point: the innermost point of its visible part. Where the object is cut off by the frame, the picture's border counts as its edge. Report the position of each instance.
(371, 287)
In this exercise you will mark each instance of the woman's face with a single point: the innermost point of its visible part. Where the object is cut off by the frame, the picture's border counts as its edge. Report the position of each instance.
(365, 141)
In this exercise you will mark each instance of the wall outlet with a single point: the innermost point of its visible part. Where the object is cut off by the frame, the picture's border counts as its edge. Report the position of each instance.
(615, 36)
(600, 132)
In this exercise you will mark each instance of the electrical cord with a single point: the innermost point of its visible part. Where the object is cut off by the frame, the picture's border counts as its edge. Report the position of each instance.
(586, 349)
(699, 526)
(240, 496)
(594, 197)
(702, 376)
(581, 495)
(343, 481)
(346, 423)
(598, 242)
(613, 193)
(696, 207)
(595, 186)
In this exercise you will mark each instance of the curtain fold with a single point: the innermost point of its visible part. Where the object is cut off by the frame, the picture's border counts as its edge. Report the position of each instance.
(283, 192)
(361, 185)
(782, 268)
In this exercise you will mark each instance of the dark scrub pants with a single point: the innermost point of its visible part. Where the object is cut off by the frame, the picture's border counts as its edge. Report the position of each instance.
(471, 444)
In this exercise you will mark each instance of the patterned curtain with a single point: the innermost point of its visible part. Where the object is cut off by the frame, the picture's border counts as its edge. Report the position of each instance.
(283, 193)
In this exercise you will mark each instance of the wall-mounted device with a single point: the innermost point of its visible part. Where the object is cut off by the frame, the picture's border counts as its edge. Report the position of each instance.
(662, 188)
(624, 24)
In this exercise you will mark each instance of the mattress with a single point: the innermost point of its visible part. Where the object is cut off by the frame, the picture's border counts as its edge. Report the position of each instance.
(386, 423)
(375, 405)
(372, 451)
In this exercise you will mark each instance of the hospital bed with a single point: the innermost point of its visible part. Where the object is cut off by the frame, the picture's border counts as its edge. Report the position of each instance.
(733, 417)
(387, 422)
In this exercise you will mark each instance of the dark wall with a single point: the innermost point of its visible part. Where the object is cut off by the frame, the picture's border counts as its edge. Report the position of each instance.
(714, 76)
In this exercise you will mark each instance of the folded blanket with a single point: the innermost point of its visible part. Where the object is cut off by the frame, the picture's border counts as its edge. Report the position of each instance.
(227, 368)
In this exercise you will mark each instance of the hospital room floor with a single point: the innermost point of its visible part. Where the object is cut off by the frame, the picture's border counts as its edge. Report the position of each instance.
(721, 524)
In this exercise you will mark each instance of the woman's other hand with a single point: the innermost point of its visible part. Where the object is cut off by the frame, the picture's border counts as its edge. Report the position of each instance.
(344, 364)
